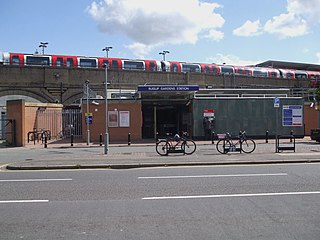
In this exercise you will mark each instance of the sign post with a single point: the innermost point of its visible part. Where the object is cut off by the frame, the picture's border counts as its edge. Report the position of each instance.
(276, 105)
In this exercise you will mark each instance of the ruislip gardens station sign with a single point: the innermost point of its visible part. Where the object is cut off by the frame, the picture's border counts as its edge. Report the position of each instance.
(168, 88)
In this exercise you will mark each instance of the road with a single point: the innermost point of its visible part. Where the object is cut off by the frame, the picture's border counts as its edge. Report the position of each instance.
(217, 202)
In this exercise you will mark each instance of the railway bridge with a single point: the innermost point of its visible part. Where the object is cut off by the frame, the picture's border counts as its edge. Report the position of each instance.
(65, 85)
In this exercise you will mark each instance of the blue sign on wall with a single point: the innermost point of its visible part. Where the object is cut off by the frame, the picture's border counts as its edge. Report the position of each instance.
(168, 88)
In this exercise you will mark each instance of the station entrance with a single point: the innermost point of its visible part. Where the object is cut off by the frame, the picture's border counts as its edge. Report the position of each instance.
(160, 118)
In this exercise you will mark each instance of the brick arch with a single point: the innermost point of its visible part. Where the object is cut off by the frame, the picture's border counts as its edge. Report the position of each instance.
(72, 98)
(28, 93)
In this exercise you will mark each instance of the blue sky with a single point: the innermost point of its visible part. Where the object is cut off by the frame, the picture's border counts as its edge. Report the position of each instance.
(237, 32)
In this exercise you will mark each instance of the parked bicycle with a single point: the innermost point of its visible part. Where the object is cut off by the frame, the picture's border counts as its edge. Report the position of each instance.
(242, 144)
(176, 144)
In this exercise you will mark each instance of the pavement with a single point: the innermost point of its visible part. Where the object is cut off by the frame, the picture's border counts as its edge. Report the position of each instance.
(61, 155)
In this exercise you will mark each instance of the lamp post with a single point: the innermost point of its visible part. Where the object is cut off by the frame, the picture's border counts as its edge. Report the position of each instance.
(106, 137)
(43, 45)
(107, 49)
(164, 54)
(87, 112)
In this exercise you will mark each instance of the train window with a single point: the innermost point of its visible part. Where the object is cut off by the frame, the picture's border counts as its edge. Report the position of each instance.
(174, 67)
(289, 75)
(152, 67)
(42, 61)
(115, 64)
(300, 75)
(215, 70)
(260, 73)
(59, 62)
(104, 63)
(85, 62)
(206, 69)
(227, 70)
(133, 65)
(190, 68)
(69, 62)
(15, 60)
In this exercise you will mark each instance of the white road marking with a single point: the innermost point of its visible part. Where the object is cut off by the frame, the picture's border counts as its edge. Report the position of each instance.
(25, 201)
(217, 176)
(231, 195)
(35, 180)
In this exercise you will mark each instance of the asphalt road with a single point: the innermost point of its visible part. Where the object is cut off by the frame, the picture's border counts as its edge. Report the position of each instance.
(217, 202)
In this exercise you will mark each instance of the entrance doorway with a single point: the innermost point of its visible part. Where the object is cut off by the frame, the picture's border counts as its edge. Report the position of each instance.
(161, 118)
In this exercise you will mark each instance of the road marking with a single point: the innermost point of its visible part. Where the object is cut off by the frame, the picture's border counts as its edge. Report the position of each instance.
(25, 201)
(231, 195)
(217, 176)
(35, 180)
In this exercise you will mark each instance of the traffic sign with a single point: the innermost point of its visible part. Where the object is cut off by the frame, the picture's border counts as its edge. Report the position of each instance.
(276, 102)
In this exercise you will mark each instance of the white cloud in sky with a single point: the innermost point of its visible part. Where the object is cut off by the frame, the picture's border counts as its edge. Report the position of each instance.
(249, 28)
(230, 59)
(298, 20)
(150, 24)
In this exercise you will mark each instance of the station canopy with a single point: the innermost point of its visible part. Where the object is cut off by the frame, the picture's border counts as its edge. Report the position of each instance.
(289, 65)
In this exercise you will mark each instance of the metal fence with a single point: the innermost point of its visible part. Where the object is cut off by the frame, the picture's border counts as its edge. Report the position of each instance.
(71, 123)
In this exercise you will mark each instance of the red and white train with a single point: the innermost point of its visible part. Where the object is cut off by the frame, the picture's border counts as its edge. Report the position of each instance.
(21, 60)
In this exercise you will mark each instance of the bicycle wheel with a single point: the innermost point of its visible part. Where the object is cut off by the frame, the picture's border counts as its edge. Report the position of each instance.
(248, 146)
(189, 147)
(223, 146)
(162, 147)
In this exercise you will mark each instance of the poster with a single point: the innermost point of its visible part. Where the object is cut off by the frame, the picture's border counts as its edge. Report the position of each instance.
(292, 115)
(124, 118)
(113, 118)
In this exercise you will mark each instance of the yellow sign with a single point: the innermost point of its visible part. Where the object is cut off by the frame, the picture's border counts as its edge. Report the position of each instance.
(88, 114)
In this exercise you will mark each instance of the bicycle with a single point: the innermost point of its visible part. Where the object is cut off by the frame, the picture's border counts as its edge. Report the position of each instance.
(243, 144)
(176, 144)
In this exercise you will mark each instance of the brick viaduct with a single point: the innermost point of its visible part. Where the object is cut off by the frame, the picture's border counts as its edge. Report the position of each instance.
(65, 85)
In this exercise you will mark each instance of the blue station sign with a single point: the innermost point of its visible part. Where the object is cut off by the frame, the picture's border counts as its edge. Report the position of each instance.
(168, 88)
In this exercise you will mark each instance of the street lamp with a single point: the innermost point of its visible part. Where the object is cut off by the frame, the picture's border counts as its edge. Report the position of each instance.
(43, 45)
(107, 49)
(87, 112)
(164, 54)
(106, 137)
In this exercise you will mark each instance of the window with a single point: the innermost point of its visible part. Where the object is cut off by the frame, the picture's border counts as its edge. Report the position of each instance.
(40, 61)
(88, 63)
(260, 73)
(152, 67)
(15, 60)
(59, 62)
(131, 65)
(115, 64)
(227, 70)
(190, 68)
(206, 69)
(215, 70)
(174, 67)
(70, 62)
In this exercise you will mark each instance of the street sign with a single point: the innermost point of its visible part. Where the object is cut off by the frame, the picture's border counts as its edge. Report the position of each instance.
(276, 102)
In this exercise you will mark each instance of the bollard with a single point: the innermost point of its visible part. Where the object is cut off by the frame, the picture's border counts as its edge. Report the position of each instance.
(212, 137)
(100, 139)
(129, 139)
(291, 135)
(267, 136)
(71, 140)
(45, 141)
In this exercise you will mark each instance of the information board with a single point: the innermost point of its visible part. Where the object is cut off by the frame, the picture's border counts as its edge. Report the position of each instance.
(292, 115)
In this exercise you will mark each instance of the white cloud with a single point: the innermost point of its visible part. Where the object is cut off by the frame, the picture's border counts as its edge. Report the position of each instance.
(301, 16)
(287, 25)
(248, 29)
(150, 24)
(230, 59)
